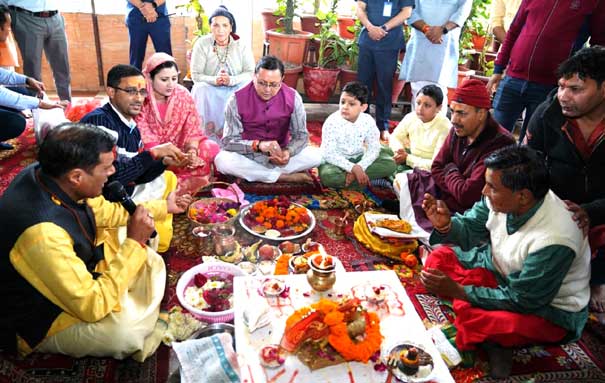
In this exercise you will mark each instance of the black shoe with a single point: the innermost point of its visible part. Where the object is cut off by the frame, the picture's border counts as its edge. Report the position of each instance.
(500, 360)
(391, 205)
(6, 146)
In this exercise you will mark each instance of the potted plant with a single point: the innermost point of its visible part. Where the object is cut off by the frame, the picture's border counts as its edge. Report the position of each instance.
(346, 25)
(474, 30)
(201, 28)
(310, 22)
(287, 44)
(345, 53)
(320, 79)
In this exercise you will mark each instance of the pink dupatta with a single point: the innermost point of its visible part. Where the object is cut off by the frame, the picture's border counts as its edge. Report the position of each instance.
(181, 124)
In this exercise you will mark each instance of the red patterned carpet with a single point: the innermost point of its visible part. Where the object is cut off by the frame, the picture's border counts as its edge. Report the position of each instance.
(12, 161)
(580, 361)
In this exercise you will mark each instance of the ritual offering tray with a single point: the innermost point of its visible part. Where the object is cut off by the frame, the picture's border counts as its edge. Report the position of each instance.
(410, 363)
(277, 219)
(211, 211)
(387, 246)
(328, 333)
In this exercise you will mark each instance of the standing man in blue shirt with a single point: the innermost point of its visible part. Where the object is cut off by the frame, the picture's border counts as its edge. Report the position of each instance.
(12, 103)
(147, 18)
(380, 41)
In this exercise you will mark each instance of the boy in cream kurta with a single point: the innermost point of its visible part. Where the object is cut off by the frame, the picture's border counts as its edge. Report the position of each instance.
(423, 131)
(350, 143)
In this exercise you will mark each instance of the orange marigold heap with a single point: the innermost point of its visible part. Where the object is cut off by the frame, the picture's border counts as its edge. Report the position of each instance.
(279, 213)
(328, 333)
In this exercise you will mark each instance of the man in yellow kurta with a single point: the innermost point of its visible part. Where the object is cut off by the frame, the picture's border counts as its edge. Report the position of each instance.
(67, 287)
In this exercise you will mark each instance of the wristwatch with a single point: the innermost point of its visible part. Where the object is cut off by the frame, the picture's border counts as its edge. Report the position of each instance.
(384, 28)
(444, 30)
(154, 4)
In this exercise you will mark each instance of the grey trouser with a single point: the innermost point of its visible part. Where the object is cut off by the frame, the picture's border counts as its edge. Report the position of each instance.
(36, 33)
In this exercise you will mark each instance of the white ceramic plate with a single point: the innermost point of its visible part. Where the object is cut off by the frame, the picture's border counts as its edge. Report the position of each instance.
(272, 236)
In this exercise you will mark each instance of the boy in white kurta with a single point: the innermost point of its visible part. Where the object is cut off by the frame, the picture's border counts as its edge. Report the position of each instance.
(350, 143)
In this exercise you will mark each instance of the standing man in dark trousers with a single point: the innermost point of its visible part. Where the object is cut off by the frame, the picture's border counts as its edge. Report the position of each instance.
(380, 41)
(38, 25)
(147, 18)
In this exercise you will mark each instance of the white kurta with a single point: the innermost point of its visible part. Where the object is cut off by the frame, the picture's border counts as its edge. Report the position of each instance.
(425, 61)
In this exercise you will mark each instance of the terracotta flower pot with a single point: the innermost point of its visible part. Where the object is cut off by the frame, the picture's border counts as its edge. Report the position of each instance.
(319, 82)
(346, 76)
(397, 87)
(269, 20)
(288, 48)
(291, 76)
(478, 41)
(309, 23)
(343, 24)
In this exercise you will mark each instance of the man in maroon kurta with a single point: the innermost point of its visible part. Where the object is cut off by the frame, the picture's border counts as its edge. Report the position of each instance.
(457, 174)
(265, 133)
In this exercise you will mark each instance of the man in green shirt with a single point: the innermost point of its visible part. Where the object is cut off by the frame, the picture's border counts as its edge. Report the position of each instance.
(520, 271)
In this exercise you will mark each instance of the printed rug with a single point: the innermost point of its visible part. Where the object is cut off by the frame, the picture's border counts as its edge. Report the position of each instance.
(23, 154)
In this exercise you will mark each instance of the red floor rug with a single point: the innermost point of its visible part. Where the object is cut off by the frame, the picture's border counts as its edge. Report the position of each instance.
(12, 161)
(47, 368)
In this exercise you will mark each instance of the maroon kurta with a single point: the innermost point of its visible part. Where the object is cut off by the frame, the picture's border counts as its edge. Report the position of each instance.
(458, 169)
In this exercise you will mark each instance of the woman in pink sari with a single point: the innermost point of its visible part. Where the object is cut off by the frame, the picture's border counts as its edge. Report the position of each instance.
(169, 115)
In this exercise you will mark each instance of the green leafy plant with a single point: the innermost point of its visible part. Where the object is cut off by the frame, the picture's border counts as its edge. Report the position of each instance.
(326, 36)
(286, 10)
(476, 23)
(345, 52)
(486, 66)
(201, 19)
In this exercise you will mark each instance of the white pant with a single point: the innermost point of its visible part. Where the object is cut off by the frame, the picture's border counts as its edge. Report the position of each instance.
(122, 333)
(406, 211)
(417, 85)
(241, 166)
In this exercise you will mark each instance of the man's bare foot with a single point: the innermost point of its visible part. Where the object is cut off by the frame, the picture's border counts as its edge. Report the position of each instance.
(298, 178)
(597, 298)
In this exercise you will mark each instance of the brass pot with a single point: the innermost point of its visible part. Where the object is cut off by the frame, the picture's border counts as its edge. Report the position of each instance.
(319, 279)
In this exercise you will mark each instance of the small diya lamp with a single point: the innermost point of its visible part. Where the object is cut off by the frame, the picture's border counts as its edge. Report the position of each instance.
(322, 274)
(339, 225)
(409, 361)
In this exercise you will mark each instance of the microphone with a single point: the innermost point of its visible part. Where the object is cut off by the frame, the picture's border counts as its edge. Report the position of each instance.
(115, 192)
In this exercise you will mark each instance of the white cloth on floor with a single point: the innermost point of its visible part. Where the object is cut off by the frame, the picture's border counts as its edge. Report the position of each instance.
(210, 359)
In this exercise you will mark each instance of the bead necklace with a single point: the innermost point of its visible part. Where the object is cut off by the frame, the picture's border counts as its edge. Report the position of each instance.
(221, 53)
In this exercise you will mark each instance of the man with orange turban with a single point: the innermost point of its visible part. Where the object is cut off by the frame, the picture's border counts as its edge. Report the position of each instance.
(457, 173)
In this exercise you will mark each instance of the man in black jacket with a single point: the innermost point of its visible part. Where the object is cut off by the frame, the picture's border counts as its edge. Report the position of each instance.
(569, 128)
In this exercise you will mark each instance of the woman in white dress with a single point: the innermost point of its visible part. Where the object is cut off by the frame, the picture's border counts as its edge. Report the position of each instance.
(220, 64)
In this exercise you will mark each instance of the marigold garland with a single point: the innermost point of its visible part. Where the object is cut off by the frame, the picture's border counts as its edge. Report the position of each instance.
(359, 351)
(338, 338)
